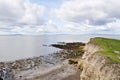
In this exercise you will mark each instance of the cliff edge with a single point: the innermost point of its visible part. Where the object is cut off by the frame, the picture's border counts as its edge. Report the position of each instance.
(101, 60)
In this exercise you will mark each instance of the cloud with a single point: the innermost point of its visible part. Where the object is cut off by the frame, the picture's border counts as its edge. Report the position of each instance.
(95, 12)
(71, 17)
(90, 15)
(33, 14)
(20, 14)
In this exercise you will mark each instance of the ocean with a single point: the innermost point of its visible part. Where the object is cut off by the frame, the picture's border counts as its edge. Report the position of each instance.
(19, 47)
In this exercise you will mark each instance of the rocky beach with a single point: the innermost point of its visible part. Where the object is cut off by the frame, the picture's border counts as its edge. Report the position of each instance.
(51, 67)
(95, 60)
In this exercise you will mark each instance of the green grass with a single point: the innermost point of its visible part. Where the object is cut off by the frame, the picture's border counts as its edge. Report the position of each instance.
(111, 48)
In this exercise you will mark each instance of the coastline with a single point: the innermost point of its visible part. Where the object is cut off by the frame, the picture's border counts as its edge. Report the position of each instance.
(55, 65)
(74, 63)
(59, 70)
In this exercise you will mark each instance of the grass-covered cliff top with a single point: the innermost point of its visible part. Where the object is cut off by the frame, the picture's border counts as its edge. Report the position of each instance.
(111, 48)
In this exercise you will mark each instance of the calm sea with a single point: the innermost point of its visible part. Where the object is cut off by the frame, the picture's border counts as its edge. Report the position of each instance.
(18, 47)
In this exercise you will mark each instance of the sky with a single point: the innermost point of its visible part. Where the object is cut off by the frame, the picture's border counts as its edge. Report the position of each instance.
(36, 17)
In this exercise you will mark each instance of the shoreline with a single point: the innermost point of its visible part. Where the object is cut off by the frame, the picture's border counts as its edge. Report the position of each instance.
(20, 68)
(57, 72)
(75, 63)
(45, 71)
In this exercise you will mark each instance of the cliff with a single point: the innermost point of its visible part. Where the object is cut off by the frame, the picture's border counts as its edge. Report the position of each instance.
(97, 63)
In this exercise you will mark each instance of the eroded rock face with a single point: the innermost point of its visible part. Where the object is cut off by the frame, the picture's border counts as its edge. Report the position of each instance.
(94, 66)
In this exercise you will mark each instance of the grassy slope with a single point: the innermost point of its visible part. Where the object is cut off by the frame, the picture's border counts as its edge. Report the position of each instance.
(111, 48)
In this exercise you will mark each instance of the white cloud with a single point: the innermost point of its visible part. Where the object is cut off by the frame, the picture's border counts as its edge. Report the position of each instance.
(96, 12)
(93, 15)
(33, 13)
(20, 15)
(20, 12)
(75, 16)
(50, 27)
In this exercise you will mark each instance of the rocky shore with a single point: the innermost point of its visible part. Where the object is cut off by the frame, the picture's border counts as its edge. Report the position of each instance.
(14, 67)
(15, 70)
(75, 61)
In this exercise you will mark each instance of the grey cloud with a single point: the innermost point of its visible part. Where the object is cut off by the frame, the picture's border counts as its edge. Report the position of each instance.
(97, 12)
(21, 12)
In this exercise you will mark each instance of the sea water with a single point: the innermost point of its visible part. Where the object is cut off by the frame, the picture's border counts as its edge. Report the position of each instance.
(18, 47)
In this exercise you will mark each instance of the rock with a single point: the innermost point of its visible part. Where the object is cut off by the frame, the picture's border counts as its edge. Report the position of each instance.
(94, 66)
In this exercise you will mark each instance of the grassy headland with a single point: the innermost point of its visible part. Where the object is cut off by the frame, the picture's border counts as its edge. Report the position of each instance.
(111, 48)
